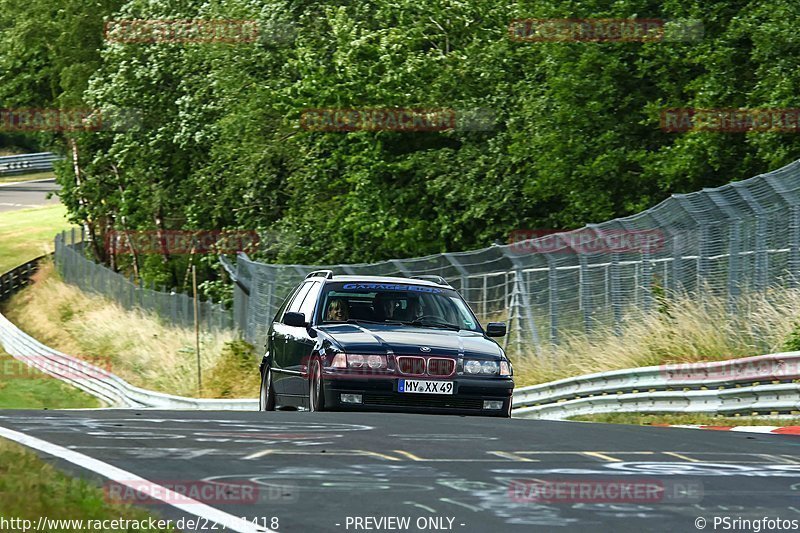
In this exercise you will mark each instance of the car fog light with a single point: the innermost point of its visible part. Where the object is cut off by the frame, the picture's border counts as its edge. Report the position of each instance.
(493, 405)
(354, 398)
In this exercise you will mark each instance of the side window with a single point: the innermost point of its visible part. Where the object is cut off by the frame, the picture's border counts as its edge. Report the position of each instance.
(307, 307)
(294, 307)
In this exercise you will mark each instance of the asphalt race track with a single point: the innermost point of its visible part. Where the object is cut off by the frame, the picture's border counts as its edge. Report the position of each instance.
(25, 195)
(322, 471)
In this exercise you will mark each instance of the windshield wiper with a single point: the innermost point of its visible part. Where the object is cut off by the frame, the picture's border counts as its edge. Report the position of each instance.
(365, 321)
(433, 324)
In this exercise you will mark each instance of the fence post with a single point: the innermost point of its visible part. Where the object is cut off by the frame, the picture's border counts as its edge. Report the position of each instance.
(484, 297)
(647, 281)
(734, 248)
(584, 296)
(794, 246)
(522, 300)
(132, 292)
(463, 272)
(186, 312)
(762, 260)
(552, 281)
(616, 293)
(173, 306)
(702, 256)
(677, 258)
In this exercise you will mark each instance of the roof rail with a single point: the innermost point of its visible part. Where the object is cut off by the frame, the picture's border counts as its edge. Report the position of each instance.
(436, 279)
(327, 274)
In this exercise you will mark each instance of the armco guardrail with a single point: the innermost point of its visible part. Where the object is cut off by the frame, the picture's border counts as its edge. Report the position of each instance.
(15, 279)
(27, 163)
(108, 388)
(760, 384)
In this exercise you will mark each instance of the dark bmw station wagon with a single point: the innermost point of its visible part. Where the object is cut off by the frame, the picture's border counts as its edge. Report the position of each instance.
(383, 344)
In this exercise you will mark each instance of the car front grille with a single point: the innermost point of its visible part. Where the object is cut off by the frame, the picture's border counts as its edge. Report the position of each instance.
(411, 365)
(440, 367)
(423, 400)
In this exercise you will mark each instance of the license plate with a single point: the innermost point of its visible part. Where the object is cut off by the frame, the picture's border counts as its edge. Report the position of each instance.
(421, 386)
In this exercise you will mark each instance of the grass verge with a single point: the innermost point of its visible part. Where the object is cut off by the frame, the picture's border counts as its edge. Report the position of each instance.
(135, 345)
(24, 235)
(701, 419)
(23, 387)
(30, 488)
(682, 330)
(29, 233)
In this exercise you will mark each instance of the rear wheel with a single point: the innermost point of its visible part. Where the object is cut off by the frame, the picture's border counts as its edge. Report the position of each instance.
(316, 395)
(266, 397)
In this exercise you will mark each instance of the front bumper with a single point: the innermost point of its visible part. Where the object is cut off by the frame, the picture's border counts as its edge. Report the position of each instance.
(379, 393)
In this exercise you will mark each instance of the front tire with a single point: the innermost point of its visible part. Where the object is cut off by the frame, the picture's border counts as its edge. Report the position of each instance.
(316, 394)
(266, 397)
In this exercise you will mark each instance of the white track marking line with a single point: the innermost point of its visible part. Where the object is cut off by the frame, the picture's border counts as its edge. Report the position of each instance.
(123, 477)
(755, 429)
(24, 182)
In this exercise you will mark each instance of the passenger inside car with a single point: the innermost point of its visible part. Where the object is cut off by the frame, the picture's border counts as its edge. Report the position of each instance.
(337, 311)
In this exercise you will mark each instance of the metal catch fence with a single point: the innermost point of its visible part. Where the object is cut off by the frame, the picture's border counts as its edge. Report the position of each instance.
(175, 308)
(739, 238)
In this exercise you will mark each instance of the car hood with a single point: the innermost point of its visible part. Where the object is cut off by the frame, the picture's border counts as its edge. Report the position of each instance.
(405, 340)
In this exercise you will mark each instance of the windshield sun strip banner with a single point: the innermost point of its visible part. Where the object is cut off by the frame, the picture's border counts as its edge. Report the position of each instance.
(389, 287)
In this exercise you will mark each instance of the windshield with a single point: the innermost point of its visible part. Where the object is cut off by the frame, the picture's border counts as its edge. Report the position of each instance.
(392, 303)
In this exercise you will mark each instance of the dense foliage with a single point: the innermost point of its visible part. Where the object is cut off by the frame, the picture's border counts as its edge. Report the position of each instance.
(576, 138)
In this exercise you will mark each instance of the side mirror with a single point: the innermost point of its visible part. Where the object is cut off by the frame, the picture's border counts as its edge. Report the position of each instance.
(295, 320)
(496, 329)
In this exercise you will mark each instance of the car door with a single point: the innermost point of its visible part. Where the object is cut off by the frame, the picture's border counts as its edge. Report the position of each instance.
(280, 338)
(300, 346)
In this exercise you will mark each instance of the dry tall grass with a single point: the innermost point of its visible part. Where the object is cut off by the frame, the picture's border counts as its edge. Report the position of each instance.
(138, 346)
(686, 329)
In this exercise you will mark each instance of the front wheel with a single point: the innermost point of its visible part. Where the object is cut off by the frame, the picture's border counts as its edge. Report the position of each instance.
(316, 395)
(266, 397)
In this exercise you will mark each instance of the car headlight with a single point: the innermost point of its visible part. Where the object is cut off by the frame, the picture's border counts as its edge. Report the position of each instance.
(490, 367)
(355, 360)
(473, 367)
(487, 368)
(376, 361)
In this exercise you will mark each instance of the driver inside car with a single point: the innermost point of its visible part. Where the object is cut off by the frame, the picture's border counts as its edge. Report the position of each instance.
(412, 311)
(384, 306)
